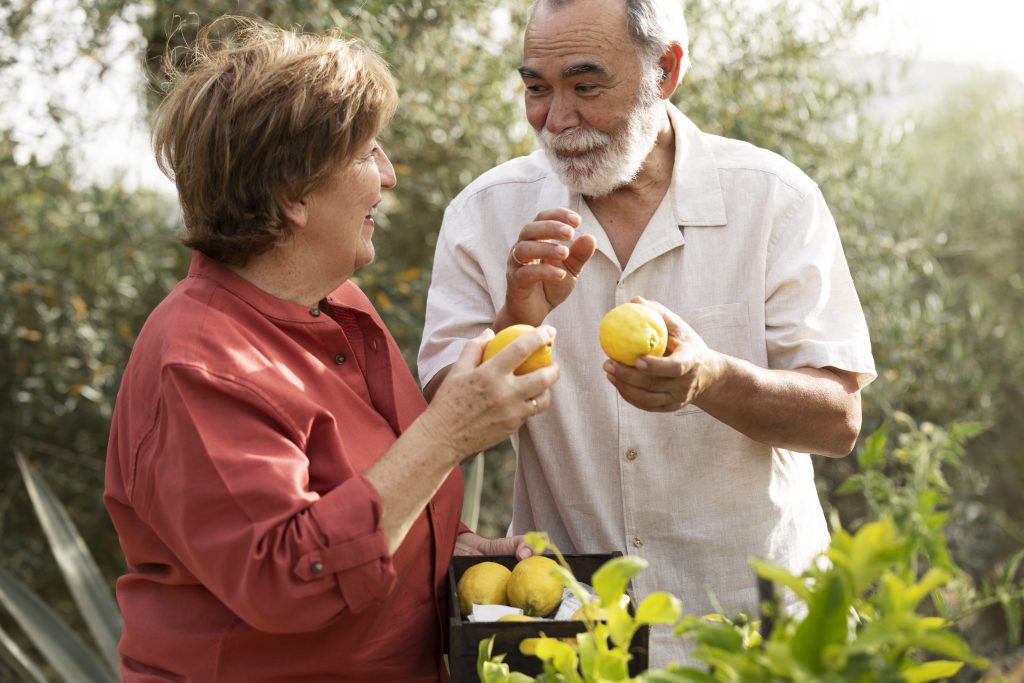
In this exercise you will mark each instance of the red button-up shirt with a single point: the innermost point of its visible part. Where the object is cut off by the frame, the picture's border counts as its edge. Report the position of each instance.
(234, 478)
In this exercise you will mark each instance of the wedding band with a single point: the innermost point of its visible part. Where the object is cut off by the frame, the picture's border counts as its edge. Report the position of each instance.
(536, 408)
(516, 258)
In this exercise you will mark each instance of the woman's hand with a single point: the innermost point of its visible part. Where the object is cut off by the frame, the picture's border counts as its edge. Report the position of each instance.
(472, 544)
(480, 404)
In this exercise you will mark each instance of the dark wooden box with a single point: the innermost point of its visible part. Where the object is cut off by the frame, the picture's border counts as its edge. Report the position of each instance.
(464, 636)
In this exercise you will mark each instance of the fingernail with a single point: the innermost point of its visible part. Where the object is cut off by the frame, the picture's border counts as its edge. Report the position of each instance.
(641, 364)
(608, 366)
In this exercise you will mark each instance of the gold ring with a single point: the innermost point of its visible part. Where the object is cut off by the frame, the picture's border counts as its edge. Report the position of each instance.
(516, 258)
(536, 408)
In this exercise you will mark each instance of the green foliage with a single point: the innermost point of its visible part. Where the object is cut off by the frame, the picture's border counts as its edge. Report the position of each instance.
(69, 657)
(928, 208)
(864, 611)
(80, 268)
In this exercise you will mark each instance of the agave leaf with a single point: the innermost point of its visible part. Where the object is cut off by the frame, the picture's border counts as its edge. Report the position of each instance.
(88, 588)
(64, 650)
(18, 662)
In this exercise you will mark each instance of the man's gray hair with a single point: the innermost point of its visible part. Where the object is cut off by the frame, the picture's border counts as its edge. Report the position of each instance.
(653, 25)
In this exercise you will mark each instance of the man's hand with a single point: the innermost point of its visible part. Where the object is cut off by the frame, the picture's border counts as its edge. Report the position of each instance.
(672, 381)
(540, 272)
(471, 544)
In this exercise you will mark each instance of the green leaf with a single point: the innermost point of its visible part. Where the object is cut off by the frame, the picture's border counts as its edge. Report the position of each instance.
(825, 623)
(611, 578)
(560, 656)
(88, 587)
(18, 662)
(872, 454)
(950, 645)
(494, 672)
(64, 650)
(931, 671)
(659, 608)
(613, 665)
(538, 540)
(783, 577)
(570, 582)
(676, 675)
(621, 626)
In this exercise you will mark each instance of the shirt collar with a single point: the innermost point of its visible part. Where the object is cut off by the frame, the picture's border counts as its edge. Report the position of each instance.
(203, 266)
(696, 192)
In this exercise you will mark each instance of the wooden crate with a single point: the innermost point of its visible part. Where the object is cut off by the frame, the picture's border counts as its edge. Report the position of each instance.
(464, 636)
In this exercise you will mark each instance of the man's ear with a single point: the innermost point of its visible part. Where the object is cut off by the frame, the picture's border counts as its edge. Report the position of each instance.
(295, 211)
(671, 65)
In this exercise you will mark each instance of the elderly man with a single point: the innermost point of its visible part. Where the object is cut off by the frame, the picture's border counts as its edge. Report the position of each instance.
(696, 460)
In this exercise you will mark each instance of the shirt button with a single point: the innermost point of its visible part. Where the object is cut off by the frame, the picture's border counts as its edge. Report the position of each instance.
(315, 312)
(316, 566)
(340, 359)
(631, 454)
(638, 542)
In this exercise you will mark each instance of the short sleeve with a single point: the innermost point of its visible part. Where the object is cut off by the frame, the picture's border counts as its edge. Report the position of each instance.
(813, 316)
(459, 305)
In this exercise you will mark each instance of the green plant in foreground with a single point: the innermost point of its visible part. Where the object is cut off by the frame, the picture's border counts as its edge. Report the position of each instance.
(69, 657)
(853, 616)
(602, 652)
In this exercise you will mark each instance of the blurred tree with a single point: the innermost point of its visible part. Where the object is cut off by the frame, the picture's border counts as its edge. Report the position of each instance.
(80, 269)
(930, 215)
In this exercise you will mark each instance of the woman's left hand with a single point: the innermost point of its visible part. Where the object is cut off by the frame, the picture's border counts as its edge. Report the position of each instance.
(472, 544)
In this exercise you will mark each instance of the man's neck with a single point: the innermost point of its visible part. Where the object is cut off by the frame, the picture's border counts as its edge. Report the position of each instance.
(625, 212)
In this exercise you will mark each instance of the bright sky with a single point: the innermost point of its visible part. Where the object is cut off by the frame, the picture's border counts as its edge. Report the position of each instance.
(985, 32)
(980, 32)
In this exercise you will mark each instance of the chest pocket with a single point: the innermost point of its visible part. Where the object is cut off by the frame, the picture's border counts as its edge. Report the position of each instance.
(724, 328)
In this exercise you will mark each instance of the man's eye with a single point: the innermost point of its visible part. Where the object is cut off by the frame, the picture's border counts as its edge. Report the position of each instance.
(535, 89)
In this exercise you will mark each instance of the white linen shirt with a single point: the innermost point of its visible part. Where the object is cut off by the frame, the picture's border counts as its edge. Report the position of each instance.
(745, 250)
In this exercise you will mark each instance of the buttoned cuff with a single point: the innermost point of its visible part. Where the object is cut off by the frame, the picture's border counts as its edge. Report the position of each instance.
(356, 549)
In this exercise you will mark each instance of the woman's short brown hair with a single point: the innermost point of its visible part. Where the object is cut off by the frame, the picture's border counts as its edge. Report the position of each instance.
(258, 114)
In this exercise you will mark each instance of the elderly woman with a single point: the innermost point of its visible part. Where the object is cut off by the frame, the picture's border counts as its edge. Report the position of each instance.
(286, 501)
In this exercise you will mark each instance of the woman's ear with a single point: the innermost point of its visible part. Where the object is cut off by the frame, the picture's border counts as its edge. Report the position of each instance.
(295, 211)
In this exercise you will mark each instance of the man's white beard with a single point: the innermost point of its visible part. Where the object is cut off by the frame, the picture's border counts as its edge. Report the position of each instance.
(609, 162)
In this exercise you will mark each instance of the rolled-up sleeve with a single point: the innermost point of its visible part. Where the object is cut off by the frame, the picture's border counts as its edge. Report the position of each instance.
(813, 316)
(223, 479)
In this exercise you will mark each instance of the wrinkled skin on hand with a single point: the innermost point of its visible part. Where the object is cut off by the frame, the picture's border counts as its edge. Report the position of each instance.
(540, 272)
(672, 381)
(480, 404)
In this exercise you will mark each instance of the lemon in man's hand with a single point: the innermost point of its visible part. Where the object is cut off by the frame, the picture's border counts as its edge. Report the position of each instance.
(484, 584)
(631, 330)
(538, 359)
(533, 587)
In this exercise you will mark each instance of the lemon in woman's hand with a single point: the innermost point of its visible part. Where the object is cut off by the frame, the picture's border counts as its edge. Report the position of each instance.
(538, 359)
(631, 330)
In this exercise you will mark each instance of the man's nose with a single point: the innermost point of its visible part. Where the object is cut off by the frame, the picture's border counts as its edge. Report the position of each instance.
(562, 115)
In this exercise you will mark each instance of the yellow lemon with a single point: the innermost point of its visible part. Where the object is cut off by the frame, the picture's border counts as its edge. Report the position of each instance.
(538, 359)
(484, 584)
(516, 617)
(533, 588)
(630, 330)
(528, 646)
